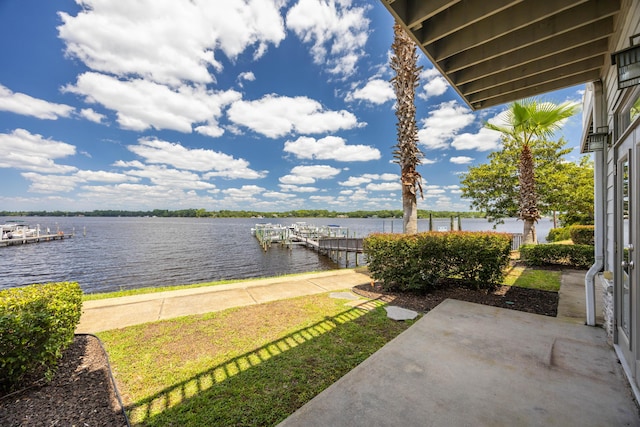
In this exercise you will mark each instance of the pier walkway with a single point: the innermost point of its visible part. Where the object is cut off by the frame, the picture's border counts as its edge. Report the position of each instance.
(330, 240)
(34, 239)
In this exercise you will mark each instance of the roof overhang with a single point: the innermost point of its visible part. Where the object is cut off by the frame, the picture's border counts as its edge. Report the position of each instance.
(497, 51)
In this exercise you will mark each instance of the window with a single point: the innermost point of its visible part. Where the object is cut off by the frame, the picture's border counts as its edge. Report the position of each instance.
(628, 114)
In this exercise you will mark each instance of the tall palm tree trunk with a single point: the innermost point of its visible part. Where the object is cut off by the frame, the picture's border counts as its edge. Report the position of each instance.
(407, 153)
(529, 212)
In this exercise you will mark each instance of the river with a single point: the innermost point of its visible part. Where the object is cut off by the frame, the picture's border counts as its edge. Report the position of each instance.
(110, 254)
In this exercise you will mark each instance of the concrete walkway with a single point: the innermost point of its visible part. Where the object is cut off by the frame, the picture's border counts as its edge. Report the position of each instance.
(114, 313)
(465, 364)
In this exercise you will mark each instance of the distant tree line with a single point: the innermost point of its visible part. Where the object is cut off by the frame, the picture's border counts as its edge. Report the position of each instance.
(203, 213)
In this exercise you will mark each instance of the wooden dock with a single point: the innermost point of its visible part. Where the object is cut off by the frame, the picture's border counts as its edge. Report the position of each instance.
(34, 239)
(330, 240)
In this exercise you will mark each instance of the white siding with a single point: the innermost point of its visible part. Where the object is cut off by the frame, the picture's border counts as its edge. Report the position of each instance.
(627, 25)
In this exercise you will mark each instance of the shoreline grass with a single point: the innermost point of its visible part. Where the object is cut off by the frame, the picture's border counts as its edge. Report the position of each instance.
(152, 290)
(525, 277)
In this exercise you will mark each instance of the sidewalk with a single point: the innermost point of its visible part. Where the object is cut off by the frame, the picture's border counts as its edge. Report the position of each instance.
(114, 313)
(465, 364)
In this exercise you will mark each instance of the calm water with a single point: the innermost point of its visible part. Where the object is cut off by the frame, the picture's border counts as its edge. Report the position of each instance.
(109, 254)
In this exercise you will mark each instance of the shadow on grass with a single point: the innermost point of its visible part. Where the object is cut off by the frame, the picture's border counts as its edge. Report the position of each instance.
(264, 386)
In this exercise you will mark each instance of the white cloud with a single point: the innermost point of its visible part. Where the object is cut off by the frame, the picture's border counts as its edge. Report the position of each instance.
(103, 176)
(246, 192)
(297, 179)
(301, 175)
(376, 91)
(426, 161)
(142, 104)
(26, 105)
(297, 188)
(142, 196)
(275, 116)
(175, 40)
(92, 116)
(389, 177)
(199, 159)
(337, 32)
(355, 181)
(171, 178)
(443, 124)
(484, 140)
(323, 199)
(48, 184)
(278, 195)
(434, 84)
(26, 151)
(330, 148)
(316, 171)
(247, 76)
(461, 160)
(384, 186)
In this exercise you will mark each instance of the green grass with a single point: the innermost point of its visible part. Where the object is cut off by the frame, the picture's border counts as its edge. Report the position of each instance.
(242, 367)
(253, 365)
(526, 277)
(151, 290)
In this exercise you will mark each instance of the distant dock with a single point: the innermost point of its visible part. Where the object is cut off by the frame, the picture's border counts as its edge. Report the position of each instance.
(330, 240)
(14, 233)
(34, 239)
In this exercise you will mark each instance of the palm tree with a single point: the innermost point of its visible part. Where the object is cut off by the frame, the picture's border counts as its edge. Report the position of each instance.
(406, 153)
(526, 121)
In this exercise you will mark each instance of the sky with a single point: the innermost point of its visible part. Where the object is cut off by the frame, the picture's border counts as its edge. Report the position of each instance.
(265, 105)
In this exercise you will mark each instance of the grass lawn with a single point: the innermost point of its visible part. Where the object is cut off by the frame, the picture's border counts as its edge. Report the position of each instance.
(527, 277)
(150, 290)
(242, 367)
(253, 365)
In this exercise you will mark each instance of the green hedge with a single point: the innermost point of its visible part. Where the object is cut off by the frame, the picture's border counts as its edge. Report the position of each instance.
(420, 262)
(37, 323)
(578, 256)
(582, 234)
(559, 234)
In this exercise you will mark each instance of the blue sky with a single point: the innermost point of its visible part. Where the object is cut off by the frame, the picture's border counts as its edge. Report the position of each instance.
(267, 105)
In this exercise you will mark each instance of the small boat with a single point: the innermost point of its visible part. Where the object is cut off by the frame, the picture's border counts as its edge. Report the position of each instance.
(18, 230)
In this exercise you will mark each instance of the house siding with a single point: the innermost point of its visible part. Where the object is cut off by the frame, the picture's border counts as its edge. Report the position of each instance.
(628, 24)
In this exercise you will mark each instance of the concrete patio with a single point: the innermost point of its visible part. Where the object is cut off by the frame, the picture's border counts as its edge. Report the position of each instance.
(465, 364)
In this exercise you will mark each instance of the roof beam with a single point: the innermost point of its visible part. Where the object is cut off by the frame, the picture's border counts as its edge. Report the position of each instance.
(567, 43)
(459, 16)
(588, 76)
(553, 62)
(500, 24)
(413, 12)
(558, 24)
(419, 10)
(566, 72)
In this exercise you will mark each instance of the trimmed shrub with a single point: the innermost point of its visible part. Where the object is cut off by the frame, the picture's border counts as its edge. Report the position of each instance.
(422, 261)
(37, 323)
(578, 256)
(582, 234)
(559, 234)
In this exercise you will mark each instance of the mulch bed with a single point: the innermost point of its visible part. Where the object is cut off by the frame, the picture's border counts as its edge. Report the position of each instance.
(82, 394)
(512, 297)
